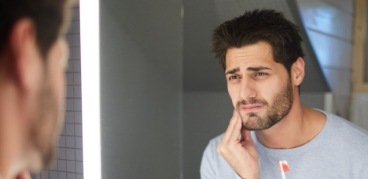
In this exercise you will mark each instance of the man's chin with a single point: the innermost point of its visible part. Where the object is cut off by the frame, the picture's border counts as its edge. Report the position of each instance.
(254, 128)
(35, 162)
(41, 160)
(48, 157)
(254, 122)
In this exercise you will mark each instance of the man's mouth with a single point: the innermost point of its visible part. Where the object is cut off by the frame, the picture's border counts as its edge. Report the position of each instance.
(251, 107)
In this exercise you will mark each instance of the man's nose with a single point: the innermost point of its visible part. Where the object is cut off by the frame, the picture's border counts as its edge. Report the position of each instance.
(247, 89)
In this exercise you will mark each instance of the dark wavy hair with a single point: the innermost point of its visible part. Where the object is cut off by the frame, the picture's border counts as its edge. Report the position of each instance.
(49, 17)
(259, 25)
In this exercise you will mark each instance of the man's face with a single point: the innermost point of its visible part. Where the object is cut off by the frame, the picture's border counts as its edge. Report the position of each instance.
(48, 116)
(260, 88)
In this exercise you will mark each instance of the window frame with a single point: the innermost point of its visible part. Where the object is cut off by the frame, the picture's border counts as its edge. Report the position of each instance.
(360, 46)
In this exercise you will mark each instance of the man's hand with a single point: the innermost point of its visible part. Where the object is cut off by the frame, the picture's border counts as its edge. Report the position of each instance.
(238, 149)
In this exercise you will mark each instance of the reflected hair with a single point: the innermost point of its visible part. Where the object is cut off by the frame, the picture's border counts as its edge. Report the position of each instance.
(49, 18)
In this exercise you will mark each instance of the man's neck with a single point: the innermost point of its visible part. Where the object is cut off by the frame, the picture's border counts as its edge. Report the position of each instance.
(299, 127)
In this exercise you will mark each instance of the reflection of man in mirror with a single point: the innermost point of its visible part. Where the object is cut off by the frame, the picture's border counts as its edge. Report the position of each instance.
(271, 134)
(33, 58)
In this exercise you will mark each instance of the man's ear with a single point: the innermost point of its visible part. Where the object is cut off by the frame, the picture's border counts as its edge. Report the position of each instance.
(298, 71)
(23, 54)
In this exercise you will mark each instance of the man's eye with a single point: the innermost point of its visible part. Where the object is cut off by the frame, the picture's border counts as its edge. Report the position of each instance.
(261, 74)
(233, 77)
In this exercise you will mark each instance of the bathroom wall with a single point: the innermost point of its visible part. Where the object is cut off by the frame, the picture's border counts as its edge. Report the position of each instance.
(69, 159)
(141, 88)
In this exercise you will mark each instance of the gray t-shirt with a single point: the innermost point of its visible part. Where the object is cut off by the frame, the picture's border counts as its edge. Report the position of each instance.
(340, 150)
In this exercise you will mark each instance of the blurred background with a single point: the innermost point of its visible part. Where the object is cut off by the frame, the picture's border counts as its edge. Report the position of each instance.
(163, 95)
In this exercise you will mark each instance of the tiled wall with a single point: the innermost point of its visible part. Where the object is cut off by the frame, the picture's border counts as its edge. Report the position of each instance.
(69, 159)
(329, 25)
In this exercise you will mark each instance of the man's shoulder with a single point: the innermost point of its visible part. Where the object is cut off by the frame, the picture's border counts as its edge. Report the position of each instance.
(213, 143)
(216, 140)
(212, 164)
(346, 127)
(347, 132)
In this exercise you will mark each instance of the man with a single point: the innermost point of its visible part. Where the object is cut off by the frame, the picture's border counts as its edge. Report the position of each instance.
(33, 57)
(271, 134)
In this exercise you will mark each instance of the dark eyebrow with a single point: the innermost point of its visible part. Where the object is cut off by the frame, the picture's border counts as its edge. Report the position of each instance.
(256, 69)
(233, 71)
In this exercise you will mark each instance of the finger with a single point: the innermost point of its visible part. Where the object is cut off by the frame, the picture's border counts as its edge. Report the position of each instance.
(230, 128)
(248, 142)
(235, 133)
(245, 135)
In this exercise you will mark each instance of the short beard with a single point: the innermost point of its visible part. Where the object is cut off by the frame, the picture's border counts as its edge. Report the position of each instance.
(280, 107)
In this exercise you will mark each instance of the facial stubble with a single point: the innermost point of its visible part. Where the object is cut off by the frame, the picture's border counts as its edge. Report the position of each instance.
(281, 105)
(46, 126)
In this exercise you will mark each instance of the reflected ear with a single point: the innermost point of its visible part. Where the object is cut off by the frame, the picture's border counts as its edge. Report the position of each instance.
(298, 71)
(22, 54)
